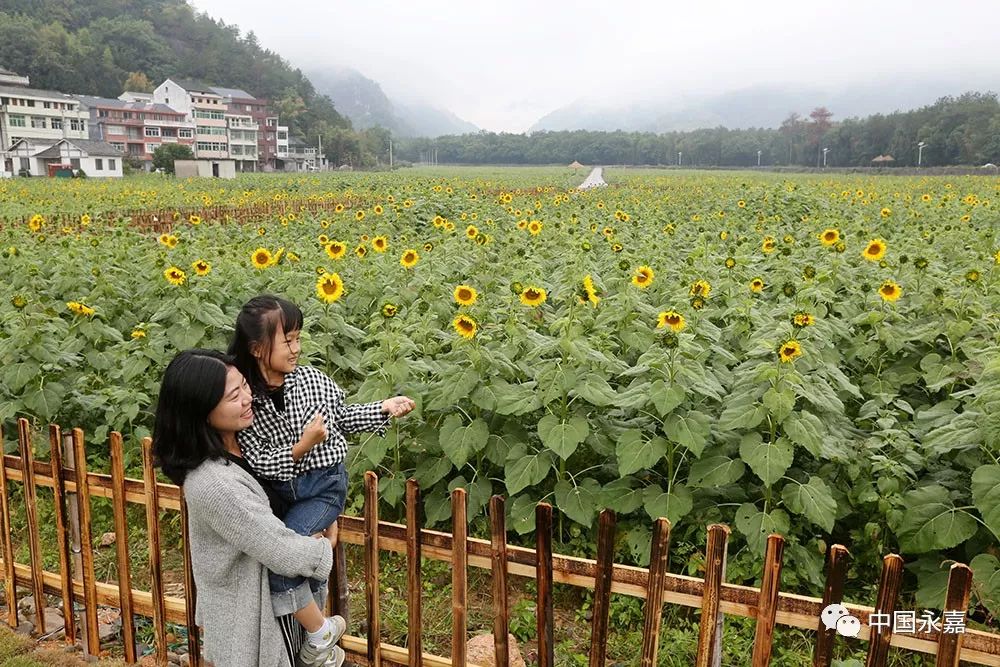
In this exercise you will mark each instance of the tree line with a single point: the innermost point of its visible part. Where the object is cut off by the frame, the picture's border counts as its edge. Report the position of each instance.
(963, 130)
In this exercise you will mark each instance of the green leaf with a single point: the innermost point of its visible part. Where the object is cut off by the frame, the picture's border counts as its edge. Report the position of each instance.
(757, 525)
(431, 470)
(768, 460)
(986, 581)
(521, 515)
(44, 401)
(932, 522)
(563, 436)
(986, 495)
(453, 388)
(17, 376)
(666, 397)
(635, 452)
(391, 489)
(437, 508)
(595, 390)
(806, 429)
(578, 502)
(621, 497)
(813, 500)
(461, 442)
(524, 469)
(673, 504)
(691, 430)
(714, 471)
(779, 403)
(507, 399)
(742, 412)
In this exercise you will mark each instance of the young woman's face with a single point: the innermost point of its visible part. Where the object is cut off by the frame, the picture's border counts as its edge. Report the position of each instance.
(234, 412)
(285, 348)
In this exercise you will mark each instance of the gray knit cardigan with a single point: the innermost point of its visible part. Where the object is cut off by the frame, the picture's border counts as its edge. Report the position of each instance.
(235, 540)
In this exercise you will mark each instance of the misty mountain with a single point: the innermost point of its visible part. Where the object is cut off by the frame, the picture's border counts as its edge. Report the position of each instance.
(762, 106)
(363, 101)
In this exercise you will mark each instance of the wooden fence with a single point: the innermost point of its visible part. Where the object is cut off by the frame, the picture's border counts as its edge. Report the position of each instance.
(73, 487)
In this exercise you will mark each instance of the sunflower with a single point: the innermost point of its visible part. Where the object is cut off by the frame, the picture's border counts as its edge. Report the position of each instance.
(723, 235)
(535, 227)
(966, 218)
(757, 285)
(768, 244)
(449, 226)
(972, 276)
(378, 209)
(409, 258)
(261, 231)
(996, 257)
(730, 262)
(925, 198)
(261, 258)
(172, 241)
(875, 250)
(329, 287)
(803, 320)
(380, 243)
(325, 224)
(890, 291)
(323, 239)
(85, 219)
(359, 216)
(533, 296)
(201, 267)
(335, 249)
(164, 239)
(36, 222)
(389, 310)
(522, 224)
(465, 326)
(700, 288)
(885, 212)
(672, 319)
(643, 277)
(616, 247)
(339, 208)
(138, 333)
(608, 232)
(361, 251)
(471, 232)
(465, 295)
(407, 203)
(789, 351)
(174, 276)
(80, 308)
(19, 301)
(809, 272)
(194, 219)
(428, 246)
(697, 303)
(438, 221)
(589, 294)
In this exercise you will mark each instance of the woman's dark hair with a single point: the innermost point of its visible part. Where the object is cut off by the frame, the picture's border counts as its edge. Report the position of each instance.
(256, 324)
(193, 384)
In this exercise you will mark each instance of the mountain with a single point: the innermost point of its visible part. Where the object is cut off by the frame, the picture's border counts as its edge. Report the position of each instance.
(363, 101)
(762, 105)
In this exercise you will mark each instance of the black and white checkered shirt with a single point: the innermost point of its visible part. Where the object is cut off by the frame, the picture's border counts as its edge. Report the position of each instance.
(267, 443)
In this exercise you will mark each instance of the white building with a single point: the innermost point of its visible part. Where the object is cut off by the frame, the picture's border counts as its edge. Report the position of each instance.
(40, 115)
(93, 158)
(206, 108)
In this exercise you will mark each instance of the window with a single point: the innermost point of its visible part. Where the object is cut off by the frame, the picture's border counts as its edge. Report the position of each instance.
(26, 164)
(152, 131)
(167, 101)
(99, 164)
(185, 133)
(120, 146)
(48, 105)
(30, 103)
(114, 129)
(112, 164)
(16, 121)
(56, 123)
(168, 132)
(151, 148)
(77, 125)
(75, 162)
(102, 113)
(38, 122)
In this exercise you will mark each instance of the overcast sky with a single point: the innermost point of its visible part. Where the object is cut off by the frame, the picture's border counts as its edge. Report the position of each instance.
(503, 65)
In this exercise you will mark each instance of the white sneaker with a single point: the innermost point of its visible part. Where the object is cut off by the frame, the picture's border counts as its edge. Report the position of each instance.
(327, 654)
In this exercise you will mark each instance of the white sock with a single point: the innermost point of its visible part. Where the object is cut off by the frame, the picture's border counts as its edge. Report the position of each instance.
(317, 638)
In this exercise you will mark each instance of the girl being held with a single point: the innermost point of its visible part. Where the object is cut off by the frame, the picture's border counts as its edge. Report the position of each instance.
(297, 441)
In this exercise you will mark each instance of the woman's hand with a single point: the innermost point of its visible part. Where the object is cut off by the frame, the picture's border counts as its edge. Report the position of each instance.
(397, 406)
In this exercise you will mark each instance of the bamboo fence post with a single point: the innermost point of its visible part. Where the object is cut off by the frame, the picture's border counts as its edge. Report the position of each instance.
(498, 567)
(543, 554)
(190, 591)
(10, 580)
(62, 531)
(371, 569)
(31, 510)
(414, 586)
(767, 607)
(659, 555)
(602, 587)
(459, 578)
(956, 600)
(121, 547)
(888, 592)
(709, 630)
(84, 540)
(833, 593)
(155, 566)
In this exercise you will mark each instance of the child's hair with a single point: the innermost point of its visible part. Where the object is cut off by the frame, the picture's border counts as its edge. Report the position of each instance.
(193, 384)
(255, 325)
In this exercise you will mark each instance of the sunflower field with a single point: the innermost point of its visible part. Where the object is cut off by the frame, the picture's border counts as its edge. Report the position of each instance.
(816, 356)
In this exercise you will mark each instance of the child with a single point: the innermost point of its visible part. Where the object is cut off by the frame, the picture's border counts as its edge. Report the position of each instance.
(289, 443)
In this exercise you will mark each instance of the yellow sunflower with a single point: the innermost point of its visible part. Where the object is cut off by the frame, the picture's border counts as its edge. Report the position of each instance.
(201, 267)
(643, 277)
(361, 251)
(471, 231)
(389, 310)
(138, 333)
(335, 249)
(757, 285)
(172, 241)
(465, 326)
(359, 216)
(701, 288)
(533, 296)
(380, 243)
(261, 231)
(535, 227)
(890, 291)
(174, 276)
(36, 222)
(886, 212)
(803, 319)
(80, 308)
(465, 295)
(768, 244)
(409, 258)
(323, 239)
(194, 219)
(925, 198)
(874, 251)
(261, 258)
(589, 293)
(672, 319)
(378, 209)
(829, 236)
(339, 208)
(164, 239)
(789, 351)
(329, 287)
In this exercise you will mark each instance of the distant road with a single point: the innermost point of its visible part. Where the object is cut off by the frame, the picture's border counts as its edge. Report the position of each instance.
(595, 180)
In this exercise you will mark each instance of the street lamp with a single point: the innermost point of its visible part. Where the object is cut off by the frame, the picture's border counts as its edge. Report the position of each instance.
(758, 157)
(920, 152)
(825, 151)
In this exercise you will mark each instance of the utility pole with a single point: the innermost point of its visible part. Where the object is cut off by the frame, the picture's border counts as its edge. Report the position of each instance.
(320, 156)
(390, 155)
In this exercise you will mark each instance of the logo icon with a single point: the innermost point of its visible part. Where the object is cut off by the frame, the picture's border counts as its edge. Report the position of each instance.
(836, 616)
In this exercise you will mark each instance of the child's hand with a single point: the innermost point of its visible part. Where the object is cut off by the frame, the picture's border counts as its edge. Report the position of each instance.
(397, 406)
(315, 432)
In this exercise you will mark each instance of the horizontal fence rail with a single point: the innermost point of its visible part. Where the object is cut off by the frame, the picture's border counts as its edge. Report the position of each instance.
(73, 486)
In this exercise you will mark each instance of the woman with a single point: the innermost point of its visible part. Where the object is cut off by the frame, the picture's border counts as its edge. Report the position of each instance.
(235, 536)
